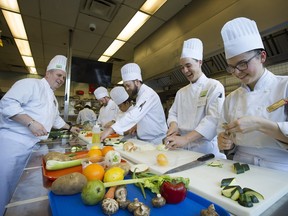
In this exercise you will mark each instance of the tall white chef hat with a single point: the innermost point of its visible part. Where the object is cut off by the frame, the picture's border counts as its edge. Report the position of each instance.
(101, 92)
(240, 35)
(192, 48)
(131, 71)
(119, 94)
(58, 62)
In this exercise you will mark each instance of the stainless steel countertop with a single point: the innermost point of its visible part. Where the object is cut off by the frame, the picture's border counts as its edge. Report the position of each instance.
(30, 197)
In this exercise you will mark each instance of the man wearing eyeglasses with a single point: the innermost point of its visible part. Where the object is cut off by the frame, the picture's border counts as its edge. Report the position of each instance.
(254, 118)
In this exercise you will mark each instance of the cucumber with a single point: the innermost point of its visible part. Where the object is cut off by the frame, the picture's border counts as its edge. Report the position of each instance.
(245, 200)
(228, 181)
(245, 167)
(238, 168)
(236, 193)
(251, 192)
(227, 190)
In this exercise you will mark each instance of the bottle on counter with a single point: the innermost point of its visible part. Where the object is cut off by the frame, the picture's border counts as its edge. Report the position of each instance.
(96, 134)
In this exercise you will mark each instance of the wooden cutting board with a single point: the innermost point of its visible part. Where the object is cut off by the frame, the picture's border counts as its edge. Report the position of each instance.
(205, 180)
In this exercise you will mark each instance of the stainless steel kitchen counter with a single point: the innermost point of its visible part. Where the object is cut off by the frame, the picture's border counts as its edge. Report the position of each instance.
(30, 197)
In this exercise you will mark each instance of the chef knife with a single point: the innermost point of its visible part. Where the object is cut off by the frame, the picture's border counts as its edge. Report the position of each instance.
(201, 160)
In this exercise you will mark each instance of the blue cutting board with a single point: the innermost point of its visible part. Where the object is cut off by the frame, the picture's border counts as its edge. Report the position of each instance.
(72, 205)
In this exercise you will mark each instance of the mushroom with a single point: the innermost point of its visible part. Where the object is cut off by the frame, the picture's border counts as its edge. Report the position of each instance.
(110, 206)
(142, 210)
(158, 201)
(123, 203)
(129, 147)
(209, 212)
(134, 205)
(121, 192)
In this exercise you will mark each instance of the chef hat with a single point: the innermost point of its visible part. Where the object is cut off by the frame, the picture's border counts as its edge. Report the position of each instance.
(101, 92)
(119, 95)
(192, 48)
(131, 71)
(240, 35)
(57, 63)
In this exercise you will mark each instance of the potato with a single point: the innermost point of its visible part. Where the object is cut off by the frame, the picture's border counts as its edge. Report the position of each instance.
(69, 184)
(56, 156)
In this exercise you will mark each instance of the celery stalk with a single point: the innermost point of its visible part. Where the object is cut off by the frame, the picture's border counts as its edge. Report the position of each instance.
(124, 182)
(56, 165)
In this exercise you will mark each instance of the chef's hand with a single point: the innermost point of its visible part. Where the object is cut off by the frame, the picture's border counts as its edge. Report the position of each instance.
(38, 129)
(133, 130)
(108, 124)
(224, 141)
(75, 130)
(175, 142)
(244, 125)
(173, 129)
(106, 133)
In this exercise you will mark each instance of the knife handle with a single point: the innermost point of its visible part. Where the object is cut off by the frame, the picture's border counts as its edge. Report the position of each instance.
(206, 157)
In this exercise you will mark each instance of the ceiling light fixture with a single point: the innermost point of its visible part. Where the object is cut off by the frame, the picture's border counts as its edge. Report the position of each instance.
(149, 7)
(11, 12)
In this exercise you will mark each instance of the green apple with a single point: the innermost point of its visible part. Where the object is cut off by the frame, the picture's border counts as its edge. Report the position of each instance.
(93, 192)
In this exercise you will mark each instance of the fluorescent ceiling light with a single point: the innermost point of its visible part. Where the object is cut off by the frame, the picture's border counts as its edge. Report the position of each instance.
(15, 23)
(116, 44)
(104, 58)
(151, 6)
(11, 5)
(28, 60)
(134, 24)
(23, 46)
(32, 70)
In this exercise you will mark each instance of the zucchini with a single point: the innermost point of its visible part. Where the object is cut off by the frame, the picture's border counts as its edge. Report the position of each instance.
(236, 193)
(245, 200)
(251, 192)
(238, 168)
(245, 167)
(227, 190)
(254, 199)
(228, 181)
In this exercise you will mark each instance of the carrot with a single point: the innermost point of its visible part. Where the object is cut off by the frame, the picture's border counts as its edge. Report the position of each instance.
(79, 156)
(110, 192)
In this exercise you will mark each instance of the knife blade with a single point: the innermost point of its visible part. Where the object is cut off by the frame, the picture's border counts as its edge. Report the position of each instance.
(199, 161)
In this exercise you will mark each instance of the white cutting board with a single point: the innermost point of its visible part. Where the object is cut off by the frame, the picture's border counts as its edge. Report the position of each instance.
(205, 180)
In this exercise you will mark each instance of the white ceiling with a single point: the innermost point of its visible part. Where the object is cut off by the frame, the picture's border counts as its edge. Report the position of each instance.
(48, 23)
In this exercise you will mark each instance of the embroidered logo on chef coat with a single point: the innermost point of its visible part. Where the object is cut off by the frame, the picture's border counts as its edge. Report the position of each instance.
(141, 105)
(203, 93)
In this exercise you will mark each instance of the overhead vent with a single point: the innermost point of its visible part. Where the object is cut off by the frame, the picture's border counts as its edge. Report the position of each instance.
(103, 9)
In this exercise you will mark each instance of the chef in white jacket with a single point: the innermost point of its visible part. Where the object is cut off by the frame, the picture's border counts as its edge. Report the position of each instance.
(124, 102)
(28, 111)
(109, 110)
(86, 115)
(255, 114)
(148, 112)
(194, 115)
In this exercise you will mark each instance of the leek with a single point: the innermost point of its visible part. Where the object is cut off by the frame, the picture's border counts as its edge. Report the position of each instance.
(56, 165)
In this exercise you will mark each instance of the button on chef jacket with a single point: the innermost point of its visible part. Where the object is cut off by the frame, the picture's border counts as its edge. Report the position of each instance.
(35, 98)
(108, 113)
(149, 116)
(257, 146)
(197, 106)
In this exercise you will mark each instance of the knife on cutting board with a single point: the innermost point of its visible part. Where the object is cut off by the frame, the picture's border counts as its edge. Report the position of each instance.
(199, 161)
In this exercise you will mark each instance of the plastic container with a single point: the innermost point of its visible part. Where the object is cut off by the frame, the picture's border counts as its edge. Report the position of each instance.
(96, 135)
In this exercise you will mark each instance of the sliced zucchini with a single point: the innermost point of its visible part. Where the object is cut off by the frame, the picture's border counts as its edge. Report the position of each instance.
(238, 168)
(251, 192)
(245, 200)
(254, 199)
(228, 181)
(245, 167)
(236, 193)
(227, 190)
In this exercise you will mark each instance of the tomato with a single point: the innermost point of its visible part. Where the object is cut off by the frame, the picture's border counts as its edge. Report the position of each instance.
(173, 192)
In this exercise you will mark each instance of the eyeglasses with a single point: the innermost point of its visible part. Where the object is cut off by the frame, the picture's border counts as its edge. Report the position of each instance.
(241, 66)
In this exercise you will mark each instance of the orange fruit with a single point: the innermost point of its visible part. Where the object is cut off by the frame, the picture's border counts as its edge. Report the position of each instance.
(162, 160)
(106, 149)
(95, 155)
(94, 172)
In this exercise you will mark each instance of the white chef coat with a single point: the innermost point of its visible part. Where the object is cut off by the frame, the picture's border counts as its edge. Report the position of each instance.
(197, 106)
(121, 114)
(256, 147)
(35, 98)
(86, 114)
(149, 116)
(108, 113)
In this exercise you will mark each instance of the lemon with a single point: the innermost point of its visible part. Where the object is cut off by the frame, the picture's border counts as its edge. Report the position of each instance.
(162, 160)
(114, 174)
